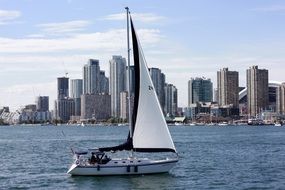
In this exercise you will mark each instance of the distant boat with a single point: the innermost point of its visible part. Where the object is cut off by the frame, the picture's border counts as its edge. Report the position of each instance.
(255, 121)
(122, 124)
(277, 124)
(148, 132)
(178, 124)
(223, 124)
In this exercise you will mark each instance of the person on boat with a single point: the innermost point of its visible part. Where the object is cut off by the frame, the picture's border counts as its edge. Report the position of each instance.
(107, 158)
(93, 159)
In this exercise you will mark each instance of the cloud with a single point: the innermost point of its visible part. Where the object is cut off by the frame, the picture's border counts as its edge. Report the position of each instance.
(23, 60)
(36, 36)
(20, 95)
(142, 17)
(64, 27)
(110, 41)
(26, 67)
(273, 8)
(7, 16)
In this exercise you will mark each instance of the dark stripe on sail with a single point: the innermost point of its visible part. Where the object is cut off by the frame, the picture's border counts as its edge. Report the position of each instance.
(137, 75)
(128, 145)
(154, 150)
(137, 91)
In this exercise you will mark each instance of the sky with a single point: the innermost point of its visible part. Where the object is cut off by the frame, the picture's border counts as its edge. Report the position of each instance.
(41, 40)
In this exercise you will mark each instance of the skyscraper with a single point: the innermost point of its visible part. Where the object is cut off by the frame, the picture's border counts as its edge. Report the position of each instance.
(171, 101)
(64, 106)
(257, 90)
(280, 99)
(215, 95)
(42, 103)
(117, 82)
(62, 87)
(104, 83)
(124, 113)
(95, 106)
(158, 80)
(200, 90)
(228, 87)
(91, 77)
(65, 109)
(132, 76)
(76, 91)
(163, 83)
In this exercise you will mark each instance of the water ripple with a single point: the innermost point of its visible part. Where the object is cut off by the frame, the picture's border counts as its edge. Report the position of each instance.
(210, 158)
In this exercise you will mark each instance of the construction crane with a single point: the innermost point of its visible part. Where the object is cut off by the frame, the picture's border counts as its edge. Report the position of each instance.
(65, 70)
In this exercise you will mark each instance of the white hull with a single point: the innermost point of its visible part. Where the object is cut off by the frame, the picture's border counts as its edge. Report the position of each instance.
(123, 167)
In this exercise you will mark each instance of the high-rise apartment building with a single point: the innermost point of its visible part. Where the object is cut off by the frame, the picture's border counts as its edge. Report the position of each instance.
(280, 99)
(257, 90)
(124, 111)
(91, 77)
(104, 83)
(64, 106)
(162, 101)
(200, 90)
(42, 103)
(76, 90)
(215, 95)
(158, 80)
(95, 106)
(228, 87)
(62, 87)
(171, 100)
(117, 82)
(64, 109)
(132, 79)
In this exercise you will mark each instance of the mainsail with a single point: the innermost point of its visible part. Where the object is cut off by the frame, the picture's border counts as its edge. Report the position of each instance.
(150, 131)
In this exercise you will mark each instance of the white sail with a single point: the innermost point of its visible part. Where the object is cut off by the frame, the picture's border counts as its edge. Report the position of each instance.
(150, 130)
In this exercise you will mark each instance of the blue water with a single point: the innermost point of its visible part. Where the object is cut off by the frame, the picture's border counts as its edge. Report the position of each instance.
(37, 157)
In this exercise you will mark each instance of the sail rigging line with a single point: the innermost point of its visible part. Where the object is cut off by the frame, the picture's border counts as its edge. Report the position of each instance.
(71, 148)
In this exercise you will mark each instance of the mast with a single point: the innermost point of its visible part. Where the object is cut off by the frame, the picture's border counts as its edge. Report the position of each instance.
(129, 78)
(147, 120)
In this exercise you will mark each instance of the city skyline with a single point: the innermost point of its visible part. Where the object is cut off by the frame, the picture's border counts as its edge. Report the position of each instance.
(36, 47)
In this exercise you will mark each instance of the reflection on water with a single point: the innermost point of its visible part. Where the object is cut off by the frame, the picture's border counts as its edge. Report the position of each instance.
(158, 181)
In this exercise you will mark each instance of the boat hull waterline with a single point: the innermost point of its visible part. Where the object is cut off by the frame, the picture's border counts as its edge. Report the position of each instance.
(124, 167)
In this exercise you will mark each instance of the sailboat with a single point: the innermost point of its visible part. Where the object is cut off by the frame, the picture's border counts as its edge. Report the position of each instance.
(148, 131)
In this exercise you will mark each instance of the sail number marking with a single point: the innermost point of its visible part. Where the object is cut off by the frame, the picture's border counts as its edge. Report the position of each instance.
(150, 87)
